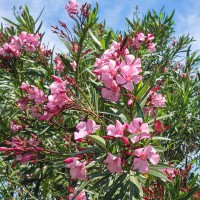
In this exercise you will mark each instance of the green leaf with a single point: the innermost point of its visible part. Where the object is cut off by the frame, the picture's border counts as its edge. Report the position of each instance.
(139, 110)
(160, 138)
(116, 185)
(99, 140)
(135, 187)
(159, 149)
(142, 92)
(94, 38)
(108, 38)
(157, 173)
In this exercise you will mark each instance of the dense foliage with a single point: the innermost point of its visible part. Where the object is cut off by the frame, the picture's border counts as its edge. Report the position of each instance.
(116, 116)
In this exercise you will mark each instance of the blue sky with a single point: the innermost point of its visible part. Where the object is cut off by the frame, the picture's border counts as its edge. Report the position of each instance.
(187, 15)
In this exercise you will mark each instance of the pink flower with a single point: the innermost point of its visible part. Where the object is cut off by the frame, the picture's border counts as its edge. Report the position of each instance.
(16, 42)
(166, 69)
(157, 100)
(151, 47)
(25, 86)
(113, 163)
(22, 104)
(112, 91)
(111, 68)
(37, 95)
(72, 7)
(141, 163)
(183, 75)
(169, 171)
(140, 37)
(85, 129)
(80, 196)
(128, 76)
(77, 170)
(139, 129)
(58, 86)
(129, 72)
(57, 100)
(59, 66)
(150, 37)
(116, 131)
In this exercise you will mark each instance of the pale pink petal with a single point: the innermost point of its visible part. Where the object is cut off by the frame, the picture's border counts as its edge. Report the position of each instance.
(144, 135)
(129, 86)
(148, 150)
(120, 80)
(154, 158)
(138, 152)
(81, 126)
(135, 139)
(106, 93)
(129, 59)
(125, 70)
(144, 128)
(137, 63)
(144, 167)
(80, 134)
(111, 130)
(137, 78)
(115, 97)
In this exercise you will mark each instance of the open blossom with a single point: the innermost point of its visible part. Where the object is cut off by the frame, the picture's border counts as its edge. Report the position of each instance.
(72, 7)
(58, 86)
(116, 131)
(158, 100)
(140, 163)
(112, 93)
(37, 95)
(128, 76)
(85, 129)
(139, 129)
(80, 196)
(77, 168)
(113, 163)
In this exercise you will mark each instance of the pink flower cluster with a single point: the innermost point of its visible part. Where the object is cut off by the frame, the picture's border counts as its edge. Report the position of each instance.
(72, 7)
(32, 100)
(24, 150)
(115, 72)
(140, 39)
(139, 130)
(59, 66)
(77, 168)
(114, 164)
(25, 41)
(57, 99)
(85, 129)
